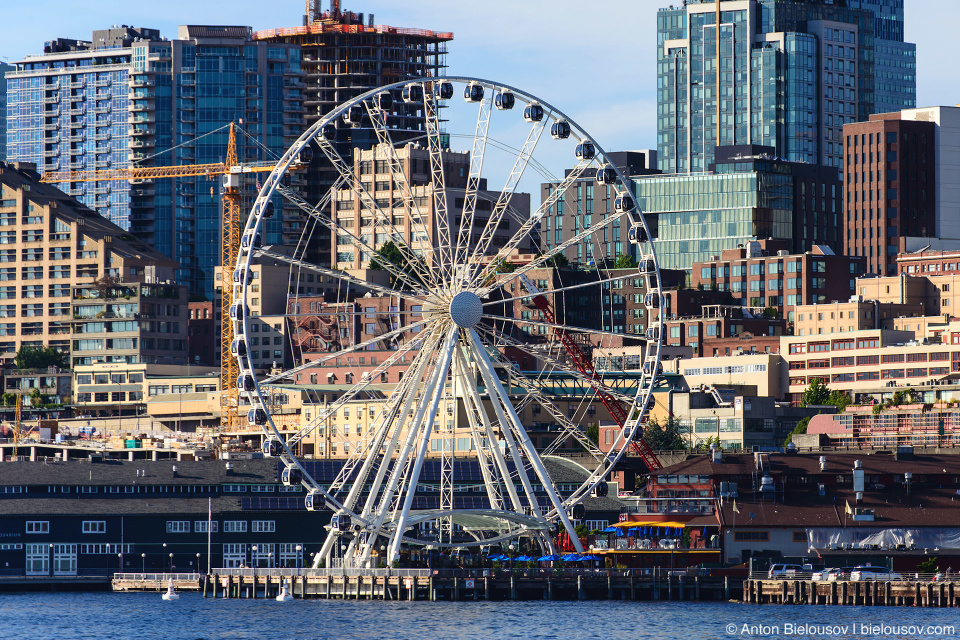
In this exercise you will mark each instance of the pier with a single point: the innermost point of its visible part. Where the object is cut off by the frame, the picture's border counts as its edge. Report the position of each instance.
(907, 592)
(445, 584)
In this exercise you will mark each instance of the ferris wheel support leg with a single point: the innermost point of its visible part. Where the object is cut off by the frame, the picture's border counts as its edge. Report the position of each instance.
(439, 383)
(494, 383)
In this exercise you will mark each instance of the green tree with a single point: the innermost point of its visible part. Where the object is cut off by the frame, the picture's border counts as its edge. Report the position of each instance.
(557, 260)
(593, 433)
(930, 565)
(624, 262)
(840, 399)
(506, 267)
(390, 254)
(816, 393)
(664, 437)
(38, 358)
(801, 428)
(9, 399)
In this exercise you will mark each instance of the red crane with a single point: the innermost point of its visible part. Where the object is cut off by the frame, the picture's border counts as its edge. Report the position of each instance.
(584, 366)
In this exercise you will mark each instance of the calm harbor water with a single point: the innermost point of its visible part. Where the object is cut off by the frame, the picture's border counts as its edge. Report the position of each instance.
(107, 616)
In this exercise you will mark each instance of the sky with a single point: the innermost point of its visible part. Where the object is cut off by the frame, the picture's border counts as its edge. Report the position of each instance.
(595, 62)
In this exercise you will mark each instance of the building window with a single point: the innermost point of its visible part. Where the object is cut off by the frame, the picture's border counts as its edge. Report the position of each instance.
(235, 526)
(38, 526)
(200, 526)
(264, 526)
(178, 526)
(94, 526)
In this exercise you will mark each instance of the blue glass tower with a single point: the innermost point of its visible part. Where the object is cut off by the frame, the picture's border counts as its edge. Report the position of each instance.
(777, 73)
(130, 96)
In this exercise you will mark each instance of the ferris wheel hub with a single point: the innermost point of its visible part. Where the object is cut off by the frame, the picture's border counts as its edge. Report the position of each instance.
(466, 309)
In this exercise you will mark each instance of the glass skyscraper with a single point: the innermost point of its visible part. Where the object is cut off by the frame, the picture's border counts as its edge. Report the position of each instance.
(131, 96)
(791, 74)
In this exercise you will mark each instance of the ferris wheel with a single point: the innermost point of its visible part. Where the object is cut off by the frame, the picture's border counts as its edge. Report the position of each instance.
(459, 322)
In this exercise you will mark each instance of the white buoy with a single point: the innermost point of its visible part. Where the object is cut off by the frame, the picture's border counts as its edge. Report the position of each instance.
(170, 594)
(284, 594)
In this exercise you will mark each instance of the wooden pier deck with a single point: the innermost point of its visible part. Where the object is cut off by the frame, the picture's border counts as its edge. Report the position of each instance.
(459, 584)
(907, 592)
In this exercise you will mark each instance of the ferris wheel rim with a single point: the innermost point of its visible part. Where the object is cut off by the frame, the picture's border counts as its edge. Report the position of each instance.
(269, 190)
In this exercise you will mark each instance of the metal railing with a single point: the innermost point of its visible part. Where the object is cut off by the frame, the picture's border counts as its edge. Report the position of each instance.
(158, 577)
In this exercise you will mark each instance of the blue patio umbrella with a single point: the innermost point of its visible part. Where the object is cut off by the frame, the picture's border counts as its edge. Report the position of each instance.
(590, 557)
(570, 557)
(524, 558)
(610, 530)
(552, 558)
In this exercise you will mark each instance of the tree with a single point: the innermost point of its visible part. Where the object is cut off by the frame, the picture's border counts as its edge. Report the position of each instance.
(593, 433)
(106, 287)
(665, 437)
(840, 399)
(624, 262)
(38, 358)
(390, 254)
(801, 428)
(557, 260)
(816, 393)
(506, 267)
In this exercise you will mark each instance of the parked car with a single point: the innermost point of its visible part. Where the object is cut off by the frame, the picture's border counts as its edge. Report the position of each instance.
(870, 572)
(786, 571)
(838, 575)
(821, 576)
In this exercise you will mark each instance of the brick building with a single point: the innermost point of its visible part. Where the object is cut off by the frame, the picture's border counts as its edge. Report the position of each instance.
(763, 274)
(890, 186)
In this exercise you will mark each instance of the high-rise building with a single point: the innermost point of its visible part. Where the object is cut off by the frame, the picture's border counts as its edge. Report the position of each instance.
(51, 244)
(130, 96)
(4, 68)
(791, 74)
(345, 56)
(890, 185)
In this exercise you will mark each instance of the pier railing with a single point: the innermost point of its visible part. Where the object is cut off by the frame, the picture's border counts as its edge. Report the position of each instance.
(907, 576)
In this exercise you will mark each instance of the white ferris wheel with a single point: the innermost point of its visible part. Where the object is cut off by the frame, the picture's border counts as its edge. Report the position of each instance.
(485, 363)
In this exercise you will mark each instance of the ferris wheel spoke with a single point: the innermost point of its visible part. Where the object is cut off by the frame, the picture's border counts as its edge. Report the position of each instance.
(424, 428)
(553, 292)
(407, 196)
(369, 203)
(438, 183)
(503, 199)
(501, 467)
(388, 421)
(342, 276)
(360, 346)
(465, 230)
(339, 232)
(515, 425)
(351, 393)
(527, 227)
(558, 327)
(544, 259)
(568, 428)
(475, 416)
(566, 369)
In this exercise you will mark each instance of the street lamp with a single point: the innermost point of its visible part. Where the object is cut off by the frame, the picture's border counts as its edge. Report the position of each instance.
(512, 548)
(343, 560)
(171, 562)
(299, 549)
(253, 559)
(198, 563)
(119, 563)
(143, 564)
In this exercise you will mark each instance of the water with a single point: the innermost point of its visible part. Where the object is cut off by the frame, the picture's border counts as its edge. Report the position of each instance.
(141, 616)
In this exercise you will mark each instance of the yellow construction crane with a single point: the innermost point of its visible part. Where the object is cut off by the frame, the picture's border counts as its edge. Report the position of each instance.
(231, 207)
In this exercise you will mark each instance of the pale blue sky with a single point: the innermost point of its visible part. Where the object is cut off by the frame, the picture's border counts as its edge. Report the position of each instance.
(593, 60)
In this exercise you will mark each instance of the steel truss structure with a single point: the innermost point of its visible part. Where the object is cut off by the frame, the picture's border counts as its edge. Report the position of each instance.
(455, 344)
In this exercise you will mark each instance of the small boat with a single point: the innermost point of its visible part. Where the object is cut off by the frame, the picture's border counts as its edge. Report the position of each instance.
(284, 594)
(171, 594)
